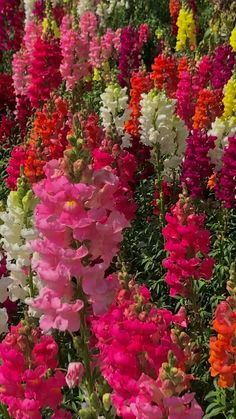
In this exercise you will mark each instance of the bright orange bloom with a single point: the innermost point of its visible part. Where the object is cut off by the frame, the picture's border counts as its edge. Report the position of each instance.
(212, 181)
(208, 108)
(223, 347)
(48, 140)
(140, 83)
(165, 74)
(174, 8)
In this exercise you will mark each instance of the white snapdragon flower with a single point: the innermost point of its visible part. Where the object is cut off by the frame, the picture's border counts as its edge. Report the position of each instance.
(106, 7)
(28, 6)
(114, 111)
(85, 5)
(3, 320)
(221, 129)
(159, 125)
(16, 243)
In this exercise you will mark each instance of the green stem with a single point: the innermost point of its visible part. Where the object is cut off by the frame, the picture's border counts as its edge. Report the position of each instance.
(84, 338)
(85, 352)
(158, 166)
(234, 402)
(31, 283)
(3, 411)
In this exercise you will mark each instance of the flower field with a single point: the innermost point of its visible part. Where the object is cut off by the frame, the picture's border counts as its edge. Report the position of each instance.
(117, 209)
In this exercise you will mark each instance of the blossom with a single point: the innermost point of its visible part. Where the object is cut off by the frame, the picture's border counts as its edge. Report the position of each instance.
(197, 165)
(159, 126)
(222, 347)
(15, 164)
(187, 243)
(3, 320)
(174, 8)
(186, 30)
(74, 374)
(233, 39)
(140, 83)
(131, 327)
(16, 245)
(86, 214)
(229, 100)
(114, 111)
(129, 53)
(44, 71)
(226, 185)
(208, 108)
(222, 130)
(222, 66)
(164, 74)
(74, 50)
(27, 388)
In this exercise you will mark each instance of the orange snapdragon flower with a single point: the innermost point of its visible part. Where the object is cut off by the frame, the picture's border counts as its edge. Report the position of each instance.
(208, 108)
(223, 347)
(212, 181)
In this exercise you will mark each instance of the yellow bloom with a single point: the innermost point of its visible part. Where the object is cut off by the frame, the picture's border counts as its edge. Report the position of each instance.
(229, 100)
(55, 29)
(96, 75)
(232, 39)
(45, 25)
(186, 29)
(159, 33)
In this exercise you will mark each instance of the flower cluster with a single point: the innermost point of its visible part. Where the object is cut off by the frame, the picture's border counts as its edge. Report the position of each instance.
(28, 376)
(208, 108)
(44, 70)
(188, 243)
(222, 66)
(131, 42)
(226, 186)
(222, 348)
(16, 161)
(139, 356)
(197, 166)
(114, 112)
(48, 139)
(140, 83)
(16, 231)
(164, 74)
(233, 39)
(162, 129)
(186, 30)
(229, 101)
(78, 243)
(74, 49)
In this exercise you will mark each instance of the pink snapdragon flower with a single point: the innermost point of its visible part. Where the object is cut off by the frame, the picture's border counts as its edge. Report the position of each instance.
(74, 374)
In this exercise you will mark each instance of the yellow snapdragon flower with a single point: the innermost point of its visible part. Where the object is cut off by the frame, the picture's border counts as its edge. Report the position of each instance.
(229, 100)
(232, 39)
(186, 29)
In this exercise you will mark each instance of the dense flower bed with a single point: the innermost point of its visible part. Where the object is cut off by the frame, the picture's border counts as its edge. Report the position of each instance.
(117, 221)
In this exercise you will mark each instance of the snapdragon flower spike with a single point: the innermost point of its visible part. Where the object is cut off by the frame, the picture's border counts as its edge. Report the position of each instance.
(16, 161)
(164, 74)
(29, 376)
(222, 348)
(74, 50)
(131, 328)
(222, 66)
(79, 241)
(187, 243)
(226, 185)
(160, 126)
(114, 112)
(15, 240)
(131, 44)
(44, 71)
(197, 166)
